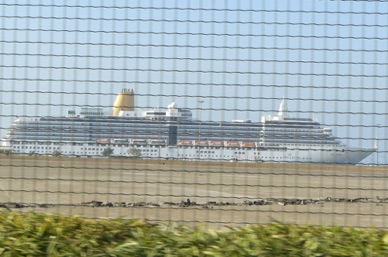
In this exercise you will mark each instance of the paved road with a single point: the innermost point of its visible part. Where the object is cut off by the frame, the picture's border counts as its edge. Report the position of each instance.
(216, 193)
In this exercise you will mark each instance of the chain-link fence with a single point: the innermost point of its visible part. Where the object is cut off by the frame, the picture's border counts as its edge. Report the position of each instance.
(221, 112)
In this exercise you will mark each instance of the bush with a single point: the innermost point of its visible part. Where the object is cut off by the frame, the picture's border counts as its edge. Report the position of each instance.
(56, 153)
(30, 234)
(107, 152)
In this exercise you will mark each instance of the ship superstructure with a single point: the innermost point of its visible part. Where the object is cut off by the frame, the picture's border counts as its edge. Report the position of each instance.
(171, 133)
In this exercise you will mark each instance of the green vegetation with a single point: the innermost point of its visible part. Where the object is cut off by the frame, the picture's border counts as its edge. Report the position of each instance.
(56, 153)
(31, 234)
(107, 152)
(136, 153)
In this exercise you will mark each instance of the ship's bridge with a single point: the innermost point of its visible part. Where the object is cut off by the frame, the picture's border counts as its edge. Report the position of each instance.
(155, 114)
(172, 113)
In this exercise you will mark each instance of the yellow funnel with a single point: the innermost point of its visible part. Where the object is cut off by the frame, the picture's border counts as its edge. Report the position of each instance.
(125, 101)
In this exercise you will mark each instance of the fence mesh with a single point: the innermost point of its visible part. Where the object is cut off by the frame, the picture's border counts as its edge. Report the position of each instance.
(215, 112)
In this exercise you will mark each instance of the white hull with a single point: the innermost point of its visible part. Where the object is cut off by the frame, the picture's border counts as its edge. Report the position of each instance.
(312, 155)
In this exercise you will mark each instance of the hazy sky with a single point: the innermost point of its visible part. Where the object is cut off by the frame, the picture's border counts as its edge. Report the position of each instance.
(328, 58)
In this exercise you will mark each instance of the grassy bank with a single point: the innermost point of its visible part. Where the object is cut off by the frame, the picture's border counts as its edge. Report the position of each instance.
(31, 234)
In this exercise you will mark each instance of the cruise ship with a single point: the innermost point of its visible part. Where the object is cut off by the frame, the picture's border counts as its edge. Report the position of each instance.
(172, 133)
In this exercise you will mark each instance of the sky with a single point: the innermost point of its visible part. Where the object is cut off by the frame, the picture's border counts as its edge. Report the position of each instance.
(327, 58)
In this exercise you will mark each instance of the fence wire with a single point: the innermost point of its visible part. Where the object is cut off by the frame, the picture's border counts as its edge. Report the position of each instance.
(222, 113)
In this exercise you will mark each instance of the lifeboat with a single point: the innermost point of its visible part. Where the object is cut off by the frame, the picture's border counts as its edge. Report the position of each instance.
(103, 140)
(201, 143)
(217, 143)
(248, 144)
(119, 141)
(139, 141)
(185, 142)
(232, 144)
(157, 142)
